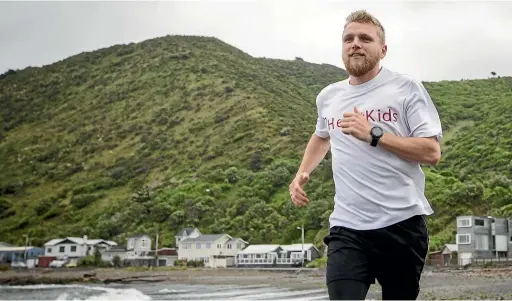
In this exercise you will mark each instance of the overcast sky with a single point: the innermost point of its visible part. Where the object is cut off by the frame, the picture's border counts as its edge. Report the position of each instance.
(429, 40)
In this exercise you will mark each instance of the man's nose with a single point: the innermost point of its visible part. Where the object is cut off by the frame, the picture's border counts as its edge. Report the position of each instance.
(356, 43)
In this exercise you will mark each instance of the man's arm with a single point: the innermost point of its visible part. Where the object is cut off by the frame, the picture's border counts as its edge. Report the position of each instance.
(422, 121)
(423, 150)
(316, 149)
(424, 125)
(315, 152)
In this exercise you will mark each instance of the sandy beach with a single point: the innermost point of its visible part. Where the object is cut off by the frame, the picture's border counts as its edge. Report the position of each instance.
(449, 284)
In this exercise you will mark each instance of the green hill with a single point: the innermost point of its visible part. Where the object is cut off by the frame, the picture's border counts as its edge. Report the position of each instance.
(189, 131)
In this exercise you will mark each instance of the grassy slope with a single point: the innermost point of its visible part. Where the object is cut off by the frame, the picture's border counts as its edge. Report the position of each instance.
(189, 131)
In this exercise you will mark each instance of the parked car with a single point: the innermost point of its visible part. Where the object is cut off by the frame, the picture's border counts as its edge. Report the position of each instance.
(57, 263)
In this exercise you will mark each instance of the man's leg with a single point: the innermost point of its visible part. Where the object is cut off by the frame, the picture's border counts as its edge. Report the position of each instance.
(348, 274)
(347, 289)
(402, 249)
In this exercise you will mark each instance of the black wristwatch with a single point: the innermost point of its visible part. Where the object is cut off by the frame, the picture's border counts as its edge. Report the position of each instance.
(376, 133)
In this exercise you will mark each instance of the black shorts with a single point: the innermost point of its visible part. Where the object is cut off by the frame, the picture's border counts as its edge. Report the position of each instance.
(394, 256)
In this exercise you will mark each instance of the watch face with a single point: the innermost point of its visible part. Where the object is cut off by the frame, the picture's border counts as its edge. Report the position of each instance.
(377, 132)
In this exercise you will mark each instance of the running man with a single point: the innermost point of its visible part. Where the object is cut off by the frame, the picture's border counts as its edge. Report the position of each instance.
(379, 126)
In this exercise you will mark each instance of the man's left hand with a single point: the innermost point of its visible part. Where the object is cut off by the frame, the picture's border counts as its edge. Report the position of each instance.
(357, 125)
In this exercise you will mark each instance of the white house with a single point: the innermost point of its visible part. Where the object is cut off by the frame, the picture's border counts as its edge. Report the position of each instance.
(74, 248)
(276, 255)
(186, 233)
(138, 246)
(215, 250)
(109, 255)
(167, 256)
(137, 251)
(260, 255)
(294, 252)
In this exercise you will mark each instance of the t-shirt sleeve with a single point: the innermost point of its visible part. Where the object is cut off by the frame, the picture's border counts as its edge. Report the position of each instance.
(321, 129)
(421, 114)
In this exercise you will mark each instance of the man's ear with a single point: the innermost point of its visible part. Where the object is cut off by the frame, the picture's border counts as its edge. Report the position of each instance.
(383, 51)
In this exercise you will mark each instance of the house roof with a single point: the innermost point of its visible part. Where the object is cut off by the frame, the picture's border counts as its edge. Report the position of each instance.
(259, 249)
(79, 241)
(18, 249)
(232, 240)
(168, 252)
(204, 238)
(297, 247)
(452, 247)
(185, 231)
(139, 236)
(117, 249)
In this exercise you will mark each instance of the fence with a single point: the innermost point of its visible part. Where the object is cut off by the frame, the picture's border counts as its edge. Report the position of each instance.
(490, 262)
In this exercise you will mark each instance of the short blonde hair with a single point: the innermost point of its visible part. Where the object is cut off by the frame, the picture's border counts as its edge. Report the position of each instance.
(362, 16)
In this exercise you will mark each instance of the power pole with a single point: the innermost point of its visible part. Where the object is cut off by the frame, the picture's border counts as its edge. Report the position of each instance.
(302, 245)
(156, 248)
(26, 244)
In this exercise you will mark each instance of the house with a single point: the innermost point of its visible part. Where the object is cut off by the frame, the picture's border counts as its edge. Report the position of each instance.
(480, 237)
(138, 245)
(215, 250)
(167, 256)
(74, 248)
(294, 252)
(261, 256)
(276, 255)
(137, 252)
(186, 233)
(10, 254)
(444, 257)
(114, 251)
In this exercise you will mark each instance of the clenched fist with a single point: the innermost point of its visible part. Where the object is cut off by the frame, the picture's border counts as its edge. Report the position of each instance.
(297, 194)
(356, 125)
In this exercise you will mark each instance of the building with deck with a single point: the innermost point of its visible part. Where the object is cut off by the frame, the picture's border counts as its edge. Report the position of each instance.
(214, 250)
(483, 237)
(273, 255)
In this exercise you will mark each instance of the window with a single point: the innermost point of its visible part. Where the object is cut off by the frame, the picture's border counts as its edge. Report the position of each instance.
(238, 245)
(463, 239)
(479, 222)
(464, 222)
(481, 242)
(229, 246)
(73, 248)
(219, 246)
(198, 246)
(49, 250)
(62, 249)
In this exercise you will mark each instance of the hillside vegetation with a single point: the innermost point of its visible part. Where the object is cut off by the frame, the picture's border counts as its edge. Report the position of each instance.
(189, 131)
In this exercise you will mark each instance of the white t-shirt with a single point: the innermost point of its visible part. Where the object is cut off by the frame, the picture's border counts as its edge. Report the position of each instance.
(374, 187)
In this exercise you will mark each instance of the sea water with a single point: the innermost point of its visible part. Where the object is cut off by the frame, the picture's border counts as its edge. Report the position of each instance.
(158, 291)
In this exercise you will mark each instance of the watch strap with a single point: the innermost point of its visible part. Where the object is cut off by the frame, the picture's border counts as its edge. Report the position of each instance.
(375, 140)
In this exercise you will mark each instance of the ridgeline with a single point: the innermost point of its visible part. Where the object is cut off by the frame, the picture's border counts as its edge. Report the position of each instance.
(189, 131)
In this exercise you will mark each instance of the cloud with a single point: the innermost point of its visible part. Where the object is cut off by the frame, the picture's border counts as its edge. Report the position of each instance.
(429, 40)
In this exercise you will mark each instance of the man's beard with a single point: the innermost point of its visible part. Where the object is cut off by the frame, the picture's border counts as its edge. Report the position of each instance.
(359, 68)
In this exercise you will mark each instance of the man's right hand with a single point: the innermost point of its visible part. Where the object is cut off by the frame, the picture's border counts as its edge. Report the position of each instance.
(297, 194)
